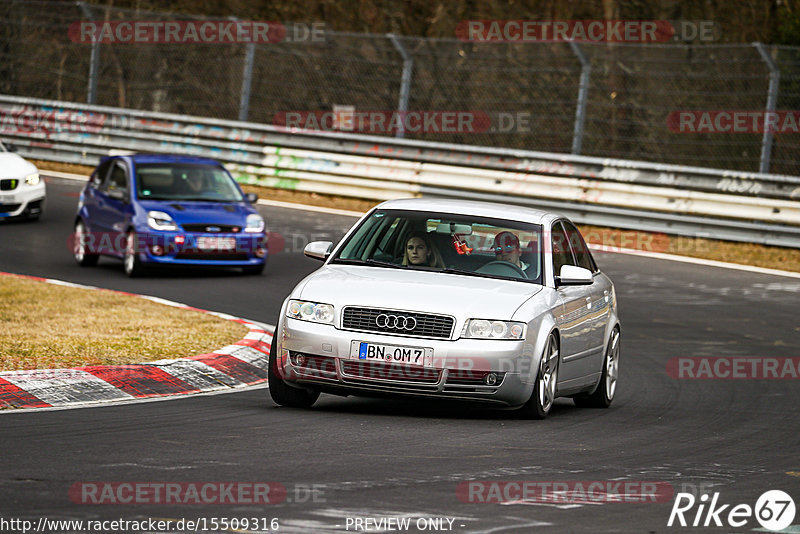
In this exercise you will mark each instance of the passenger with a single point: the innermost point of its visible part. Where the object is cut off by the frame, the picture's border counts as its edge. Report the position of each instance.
(419, 250)
(506, 248)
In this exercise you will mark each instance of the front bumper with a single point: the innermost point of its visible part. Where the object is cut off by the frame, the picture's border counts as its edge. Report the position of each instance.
(22, 200)
(249, 250)
(319, 356)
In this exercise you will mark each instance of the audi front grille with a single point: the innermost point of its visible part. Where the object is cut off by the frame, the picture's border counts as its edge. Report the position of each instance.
(398, 322)
(389, 372)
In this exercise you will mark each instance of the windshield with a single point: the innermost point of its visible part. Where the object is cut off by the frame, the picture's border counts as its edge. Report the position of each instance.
(459, 244)
(182, 181)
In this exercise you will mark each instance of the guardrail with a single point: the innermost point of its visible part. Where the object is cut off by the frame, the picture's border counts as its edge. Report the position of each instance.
(716, 204)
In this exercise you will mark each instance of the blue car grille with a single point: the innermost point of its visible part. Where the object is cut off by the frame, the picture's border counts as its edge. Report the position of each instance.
(205, 228)
(216, 256)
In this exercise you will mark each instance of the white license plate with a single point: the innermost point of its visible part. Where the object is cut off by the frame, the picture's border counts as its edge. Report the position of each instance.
(378, 352)
(7, 199)
(216, 243)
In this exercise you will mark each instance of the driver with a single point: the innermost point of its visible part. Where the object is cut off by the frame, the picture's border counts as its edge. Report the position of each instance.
(506, 248)
(194, 178)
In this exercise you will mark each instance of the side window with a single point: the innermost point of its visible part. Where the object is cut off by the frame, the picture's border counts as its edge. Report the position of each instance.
(579, 248)
(100, 174)
(117, 181)
(560, 246)
(389, 237)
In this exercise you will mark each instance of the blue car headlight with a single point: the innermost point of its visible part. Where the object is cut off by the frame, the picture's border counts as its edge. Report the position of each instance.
(254, 223)
(158, 220)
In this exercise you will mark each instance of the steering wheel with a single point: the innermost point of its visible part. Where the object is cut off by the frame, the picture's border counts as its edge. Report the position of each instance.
(502, 264)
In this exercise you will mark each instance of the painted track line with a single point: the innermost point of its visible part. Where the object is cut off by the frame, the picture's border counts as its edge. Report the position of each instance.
(695, 261)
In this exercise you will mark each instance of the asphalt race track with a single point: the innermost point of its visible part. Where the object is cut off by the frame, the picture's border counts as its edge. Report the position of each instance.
(351, 458)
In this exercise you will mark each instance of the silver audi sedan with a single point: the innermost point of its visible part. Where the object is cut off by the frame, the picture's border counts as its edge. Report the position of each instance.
(446, 299)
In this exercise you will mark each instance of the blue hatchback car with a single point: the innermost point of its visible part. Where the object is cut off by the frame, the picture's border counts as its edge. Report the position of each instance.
(168, 210)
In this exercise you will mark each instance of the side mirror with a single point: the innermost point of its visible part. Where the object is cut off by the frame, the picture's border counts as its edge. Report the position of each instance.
(252, 198)
(117, 194)
(319, 250)
(571, 275)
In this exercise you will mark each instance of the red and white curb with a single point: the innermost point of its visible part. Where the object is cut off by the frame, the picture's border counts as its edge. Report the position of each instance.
(244, 363)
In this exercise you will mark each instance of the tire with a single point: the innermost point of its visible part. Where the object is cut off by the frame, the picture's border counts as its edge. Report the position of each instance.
(79, 252)
(604, 392)
(283, 394)
(131, 261)
(544, 391)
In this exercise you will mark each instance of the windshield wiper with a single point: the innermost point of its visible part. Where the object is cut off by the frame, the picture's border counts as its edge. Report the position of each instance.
(376, 263)
(453, 270)
(201, 199)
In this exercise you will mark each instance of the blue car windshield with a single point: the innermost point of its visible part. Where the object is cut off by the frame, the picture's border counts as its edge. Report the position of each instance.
(456, 244)
(184, 181)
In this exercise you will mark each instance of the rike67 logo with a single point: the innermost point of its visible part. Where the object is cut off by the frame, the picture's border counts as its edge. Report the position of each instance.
(774, 510)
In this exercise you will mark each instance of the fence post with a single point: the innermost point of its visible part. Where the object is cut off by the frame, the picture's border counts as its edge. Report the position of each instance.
(94, 59)
(247, 80)
(405, 83)
(772, 100)
(583, 91)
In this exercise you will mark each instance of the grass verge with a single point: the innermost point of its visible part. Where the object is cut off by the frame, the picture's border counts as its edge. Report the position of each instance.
(47, 326)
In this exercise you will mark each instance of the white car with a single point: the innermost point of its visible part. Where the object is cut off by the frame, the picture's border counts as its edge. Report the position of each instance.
(22, 191)
(446, 299)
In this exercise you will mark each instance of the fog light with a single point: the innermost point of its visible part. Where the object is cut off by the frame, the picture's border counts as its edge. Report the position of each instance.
(157, 250)
(261, 252)
(299, 359)
(490, 379)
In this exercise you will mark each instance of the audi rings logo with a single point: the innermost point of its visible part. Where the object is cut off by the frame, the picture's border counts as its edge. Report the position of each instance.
(396, 322)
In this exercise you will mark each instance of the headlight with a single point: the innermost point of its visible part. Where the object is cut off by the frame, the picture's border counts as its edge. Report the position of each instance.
(488, 329)
(32, 179)
(158, 220)
(254, 223)
(310, 311)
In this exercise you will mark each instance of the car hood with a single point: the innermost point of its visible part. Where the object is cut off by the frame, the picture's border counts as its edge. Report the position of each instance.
(412, 290)
(14, 166)
(229, 213)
